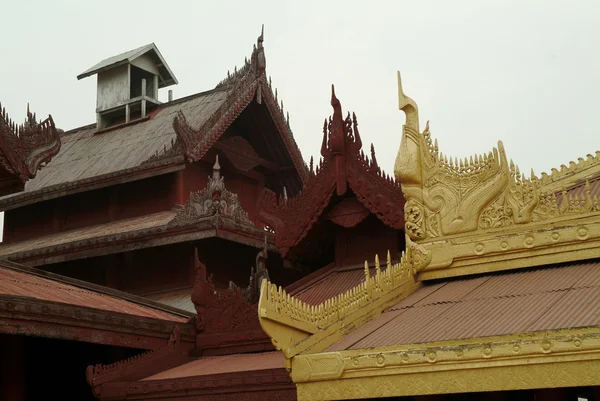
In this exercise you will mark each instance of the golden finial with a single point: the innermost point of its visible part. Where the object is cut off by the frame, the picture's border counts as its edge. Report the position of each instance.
(408, 106)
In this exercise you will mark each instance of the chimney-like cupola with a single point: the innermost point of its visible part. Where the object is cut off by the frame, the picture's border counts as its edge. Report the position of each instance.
(128, 85)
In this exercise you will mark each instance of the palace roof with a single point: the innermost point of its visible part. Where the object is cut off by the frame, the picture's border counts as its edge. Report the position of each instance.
(500, 279)
(178, 131)
(344, 169)
(182, 224)
(44, 304)
(489, 305)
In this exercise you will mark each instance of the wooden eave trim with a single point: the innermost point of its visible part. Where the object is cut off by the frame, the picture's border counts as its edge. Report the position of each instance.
(147, 238)
(40, 318)
(143, 171)
(544, 359)
(284, 130)
(233, 383)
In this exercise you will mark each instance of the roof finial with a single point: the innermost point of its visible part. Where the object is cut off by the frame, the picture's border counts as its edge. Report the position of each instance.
(408, 106)
(217, 166)
(261, 38)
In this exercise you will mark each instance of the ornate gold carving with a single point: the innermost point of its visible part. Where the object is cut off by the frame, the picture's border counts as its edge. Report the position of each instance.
(480, 192)
(553, 358)
(536, 244)
(289, 321)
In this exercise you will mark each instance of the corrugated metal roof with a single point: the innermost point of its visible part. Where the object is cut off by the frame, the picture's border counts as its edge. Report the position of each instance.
(579, 190)
(330, 284)
(85, 154)
(223, 364)
(24, 284)
(496, 304)
(100, 230)
(180, 298)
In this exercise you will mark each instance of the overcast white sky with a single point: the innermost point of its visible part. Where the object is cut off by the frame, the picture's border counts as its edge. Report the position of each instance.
(524, 72)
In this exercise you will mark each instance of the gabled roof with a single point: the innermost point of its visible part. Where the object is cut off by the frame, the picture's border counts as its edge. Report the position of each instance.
(160, 143)
(344, 168)
(167, 77)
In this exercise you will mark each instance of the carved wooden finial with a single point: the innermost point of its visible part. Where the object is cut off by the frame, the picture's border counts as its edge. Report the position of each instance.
(217, 166)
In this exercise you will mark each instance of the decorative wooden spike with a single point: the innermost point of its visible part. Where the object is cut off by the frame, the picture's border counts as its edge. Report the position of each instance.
(377, 266)
(276, 101)
(389, 260)
(367, 273)
(288, 118)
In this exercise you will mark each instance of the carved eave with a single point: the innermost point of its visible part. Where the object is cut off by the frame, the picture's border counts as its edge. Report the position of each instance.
(172, 353)
(243, 86)
(544, 359)
(298, 328)
(344, 167)
(226, 319)
(482, 214)
(24, 149)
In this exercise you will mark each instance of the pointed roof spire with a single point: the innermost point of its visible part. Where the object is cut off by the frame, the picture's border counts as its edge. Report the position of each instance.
(217, 166)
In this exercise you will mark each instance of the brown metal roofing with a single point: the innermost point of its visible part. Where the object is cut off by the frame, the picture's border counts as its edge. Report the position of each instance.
(180, 299)
(24, 284)
(85, 154)
(329, 284)
(541, 299)
(580, 189)
(113, 228)
(223, 364)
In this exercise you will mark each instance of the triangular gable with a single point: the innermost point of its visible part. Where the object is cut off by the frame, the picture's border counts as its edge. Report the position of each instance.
(243, 86)
(343, 168)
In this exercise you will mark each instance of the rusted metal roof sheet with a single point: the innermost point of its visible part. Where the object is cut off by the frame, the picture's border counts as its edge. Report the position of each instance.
(180, 299)
(23, 284)
(330, 284)
(117, 227)
(579, 190)
(85, 154)
(496, 304)
(223, 364)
